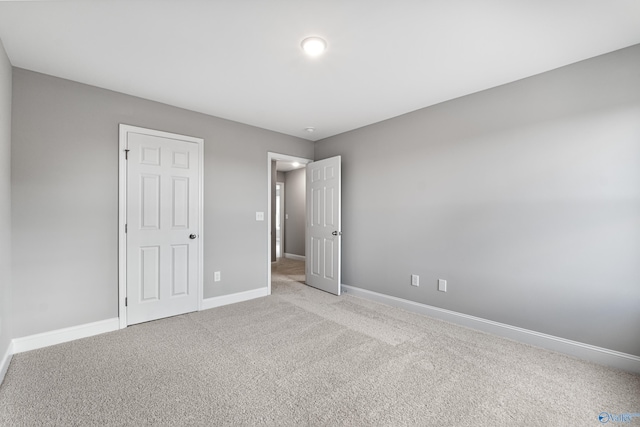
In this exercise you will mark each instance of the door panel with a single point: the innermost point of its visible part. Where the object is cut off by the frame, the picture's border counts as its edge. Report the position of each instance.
(150, 202)
(323, 224)
(150, 273)
(179, 270)
(162, 213)
(180, 200)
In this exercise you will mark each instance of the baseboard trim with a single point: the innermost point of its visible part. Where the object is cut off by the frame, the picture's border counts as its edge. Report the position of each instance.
(60, 336)
(603, 356)
(6, 360)
(234, 298)
(296, 257)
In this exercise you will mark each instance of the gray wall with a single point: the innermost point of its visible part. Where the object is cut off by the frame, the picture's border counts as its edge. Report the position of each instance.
(5, 202)
(525, 197)
(294, 206)
(65, 198)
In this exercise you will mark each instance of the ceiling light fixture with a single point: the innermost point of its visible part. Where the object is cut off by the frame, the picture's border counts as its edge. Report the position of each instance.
(295, 164)
(314, 46)
(310, 129)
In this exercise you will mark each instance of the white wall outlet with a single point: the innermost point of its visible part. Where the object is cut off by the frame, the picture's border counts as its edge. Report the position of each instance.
(216, 276)
(415, 280)
(259, 216)
(442, 285)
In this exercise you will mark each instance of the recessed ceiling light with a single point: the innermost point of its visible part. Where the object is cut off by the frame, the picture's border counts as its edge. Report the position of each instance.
(314, 46)
(295, 164)
(310, 129)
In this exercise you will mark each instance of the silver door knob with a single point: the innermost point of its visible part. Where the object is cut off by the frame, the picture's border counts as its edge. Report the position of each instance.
(336, 233)
(192, 236)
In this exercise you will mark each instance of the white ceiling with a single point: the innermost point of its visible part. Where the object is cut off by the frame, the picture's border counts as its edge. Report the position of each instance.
(241, 60)
(287, 166)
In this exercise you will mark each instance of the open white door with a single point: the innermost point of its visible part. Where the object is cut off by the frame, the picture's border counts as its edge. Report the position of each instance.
(323, 249)
(162, 224)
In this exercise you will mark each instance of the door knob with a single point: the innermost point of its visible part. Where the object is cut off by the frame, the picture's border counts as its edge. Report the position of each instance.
(192, 236)
(335, 233)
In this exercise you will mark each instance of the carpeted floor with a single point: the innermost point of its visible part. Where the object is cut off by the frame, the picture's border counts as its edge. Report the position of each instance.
(305, 357)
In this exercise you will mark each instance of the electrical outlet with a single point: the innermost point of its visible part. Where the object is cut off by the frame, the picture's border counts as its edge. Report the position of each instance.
(216, 276)
(415, 280)
(442, 285)
(259, 216)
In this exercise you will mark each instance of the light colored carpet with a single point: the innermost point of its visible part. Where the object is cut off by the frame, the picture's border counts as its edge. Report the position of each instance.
(305, 357)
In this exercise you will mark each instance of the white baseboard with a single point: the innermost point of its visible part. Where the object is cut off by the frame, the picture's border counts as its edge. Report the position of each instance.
(6, 360)
(296, 257)
(59, 336)
(603, 356)
(208, 303)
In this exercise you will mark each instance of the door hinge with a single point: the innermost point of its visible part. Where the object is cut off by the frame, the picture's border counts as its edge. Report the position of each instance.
(125, 228)
(126, 301)
(126, 154)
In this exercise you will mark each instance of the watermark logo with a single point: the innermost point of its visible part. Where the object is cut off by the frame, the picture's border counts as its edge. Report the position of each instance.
(605, 417)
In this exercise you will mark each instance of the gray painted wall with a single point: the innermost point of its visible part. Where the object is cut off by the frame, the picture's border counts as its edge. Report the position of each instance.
(525, 197)
(295, 207)
(5, 202)
(65, 198)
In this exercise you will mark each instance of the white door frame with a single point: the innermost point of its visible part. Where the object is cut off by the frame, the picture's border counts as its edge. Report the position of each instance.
(122, 212)
(270, 158)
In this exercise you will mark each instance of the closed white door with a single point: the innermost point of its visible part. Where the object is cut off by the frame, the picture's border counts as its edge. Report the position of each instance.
(162, 229)
(323, 249)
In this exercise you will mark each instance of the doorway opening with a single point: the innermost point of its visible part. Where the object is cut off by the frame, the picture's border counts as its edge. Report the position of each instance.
(287, 218)
(280, 216)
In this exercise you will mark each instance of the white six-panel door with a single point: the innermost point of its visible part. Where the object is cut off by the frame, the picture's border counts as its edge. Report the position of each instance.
(324, 225)
(162, 216)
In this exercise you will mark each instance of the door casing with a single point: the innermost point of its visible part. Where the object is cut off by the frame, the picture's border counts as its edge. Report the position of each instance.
(270, 158)
(122, 212)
